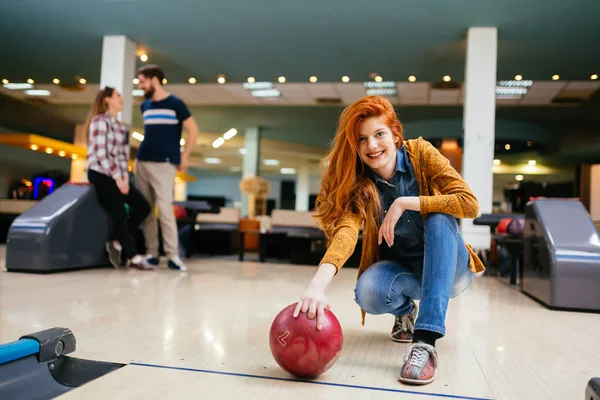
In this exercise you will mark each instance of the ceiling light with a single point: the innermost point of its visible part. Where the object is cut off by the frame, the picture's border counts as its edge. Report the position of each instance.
(218, 143)
(447, 78)
(136, 81)
(138, 136)
(519, 178)
(242, 150)
(380, 85)
(266, 93)
(37, 92)
(144, 57)
(137, 93)
(288, 171)
(211, 160)
(182, 142)
(74, 156)
(381, 92)
(230, 133)
(412, 78)
(313, 79)
(34, 147)
(257, 85)
(61, 153)
(251, 79)
(30, 81)
(515, 83)
(532, 162)
(221, 79)
(594, 77)
(56, 81)
(17, 86)
(510, 92)
(49, 150)
(507, 146)
(378, 79)
(82, 81)
(271, 162)
(529, 143)
(192, 80)
(518, 77)
(345, 79)
(4, 81)
(497, 162)
(281, 79)
(164, 82)
(555, 77)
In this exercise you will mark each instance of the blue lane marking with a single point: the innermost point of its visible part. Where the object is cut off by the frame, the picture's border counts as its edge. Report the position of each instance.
(19, 349)
(205, 371)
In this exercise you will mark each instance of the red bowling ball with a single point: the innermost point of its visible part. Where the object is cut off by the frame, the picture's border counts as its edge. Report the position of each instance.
(302, 350)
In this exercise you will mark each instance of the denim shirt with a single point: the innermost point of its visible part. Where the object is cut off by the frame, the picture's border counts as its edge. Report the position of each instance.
(409, 240)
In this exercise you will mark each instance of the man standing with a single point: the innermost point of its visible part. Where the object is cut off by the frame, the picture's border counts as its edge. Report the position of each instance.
(158, 159)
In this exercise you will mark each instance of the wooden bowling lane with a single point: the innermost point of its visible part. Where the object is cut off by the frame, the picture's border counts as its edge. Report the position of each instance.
(500, 344)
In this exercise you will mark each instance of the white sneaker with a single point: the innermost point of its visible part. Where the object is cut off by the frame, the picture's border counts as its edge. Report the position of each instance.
(177, 264)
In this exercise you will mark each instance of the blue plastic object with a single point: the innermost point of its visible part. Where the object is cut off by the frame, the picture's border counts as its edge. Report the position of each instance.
(19, 349)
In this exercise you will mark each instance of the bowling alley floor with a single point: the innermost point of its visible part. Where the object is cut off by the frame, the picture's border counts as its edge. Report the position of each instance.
(204, 334)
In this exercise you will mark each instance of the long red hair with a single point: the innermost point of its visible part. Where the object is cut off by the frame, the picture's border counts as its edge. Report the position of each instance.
(346, 185)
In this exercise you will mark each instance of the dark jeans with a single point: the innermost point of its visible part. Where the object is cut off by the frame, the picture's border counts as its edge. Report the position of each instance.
(113, 201)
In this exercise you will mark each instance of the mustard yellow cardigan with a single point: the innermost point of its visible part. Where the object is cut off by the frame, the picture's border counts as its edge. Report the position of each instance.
(441, 190)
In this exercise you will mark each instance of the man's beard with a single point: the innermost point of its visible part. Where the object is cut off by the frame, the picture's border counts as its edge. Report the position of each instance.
(149, 93)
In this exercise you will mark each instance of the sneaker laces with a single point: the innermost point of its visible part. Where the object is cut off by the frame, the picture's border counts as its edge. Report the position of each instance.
(418, 354)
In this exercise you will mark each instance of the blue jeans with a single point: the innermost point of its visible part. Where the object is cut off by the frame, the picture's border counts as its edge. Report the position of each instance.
(388, 287)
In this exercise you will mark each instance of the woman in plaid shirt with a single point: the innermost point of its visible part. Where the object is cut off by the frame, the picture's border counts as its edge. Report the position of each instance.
(108, 156)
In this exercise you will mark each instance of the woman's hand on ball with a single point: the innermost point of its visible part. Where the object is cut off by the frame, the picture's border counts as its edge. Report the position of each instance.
(314, 302)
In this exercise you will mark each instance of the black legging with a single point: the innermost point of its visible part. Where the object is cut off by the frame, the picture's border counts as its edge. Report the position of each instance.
(113, 201)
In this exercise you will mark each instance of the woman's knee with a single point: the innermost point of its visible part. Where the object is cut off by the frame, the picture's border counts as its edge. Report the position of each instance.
(441, 221)
(372, 289)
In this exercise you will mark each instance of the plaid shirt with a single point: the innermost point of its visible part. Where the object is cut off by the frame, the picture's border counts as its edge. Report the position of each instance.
(108, 146)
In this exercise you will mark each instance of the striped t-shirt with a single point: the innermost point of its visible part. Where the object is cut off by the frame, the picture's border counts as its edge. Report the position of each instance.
(163, 122)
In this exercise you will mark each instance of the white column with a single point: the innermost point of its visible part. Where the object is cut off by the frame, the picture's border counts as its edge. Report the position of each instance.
(302, 188)
(478, 124)
(251, 159)
(118, 69)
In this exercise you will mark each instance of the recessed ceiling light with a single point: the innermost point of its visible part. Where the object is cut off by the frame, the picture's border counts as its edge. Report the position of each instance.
(61, 153)
(497, 162)
(532, 162)
(507, 146)
(313, 79)
(345, 79)
(165, 81)
(82, 81)
(192, 80)
(56, 81)
(555, 77)
(221, 79)
(212, 160)
(271, 162)
(518, 77)
(251, 79)
(378, 79)
(230, 133)
(37, 92)
(4, 81)
(288, 171)
(136, 81)
(182, 142)
(30, 81)
(49, 150)
(144, 57)
(594, 77)
(34, 147)
(281, 79)
(266, 93)
(412, 78)
(447, 78)
(519, 178)
(74, 156)
(257, 85)
(218, 142)
(17, 86)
